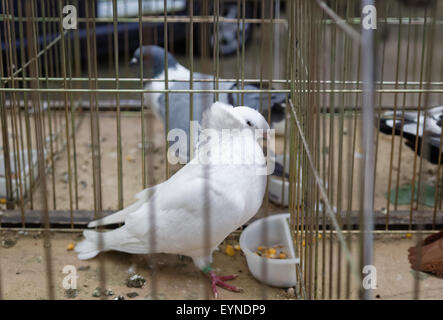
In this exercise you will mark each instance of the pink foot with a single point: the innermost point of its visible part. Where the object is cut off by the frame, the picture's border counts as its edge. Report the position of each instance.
(219, 280)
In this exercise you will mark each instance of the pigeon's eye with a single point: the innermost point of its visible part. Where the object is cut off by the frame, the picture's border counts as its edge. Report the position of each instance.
(249, 123)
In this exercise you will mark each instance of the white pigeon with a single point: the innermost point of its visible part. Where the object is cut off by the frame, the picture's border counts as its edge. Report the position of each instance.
(223, 186)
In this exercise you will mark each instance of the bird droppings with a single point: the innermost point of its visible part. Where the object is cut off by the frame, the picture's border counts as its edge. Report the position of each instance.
(8, 242)
(135, 281)
(109, 292)
(132, 294)
(71, 293)
(119, 298)
(290, 292)
(97, 292)
(131, 270)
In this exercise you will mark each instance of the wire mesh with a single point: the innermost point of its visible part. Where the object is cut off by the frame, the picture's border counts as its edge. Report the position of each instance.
(69, 117)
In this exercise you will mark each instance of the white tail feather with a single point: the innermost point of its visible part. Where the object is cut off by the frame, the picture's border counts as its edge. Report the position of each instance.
(89, 247)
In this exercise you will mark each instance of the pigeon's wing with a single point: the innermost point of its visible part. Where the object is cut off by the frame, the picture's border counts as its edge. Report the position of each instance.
(178, 214)
(119, 217)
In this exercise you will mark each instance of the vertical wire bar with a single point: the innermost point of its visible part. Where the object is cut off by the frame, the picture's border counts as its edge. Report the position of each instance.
(48, 101)
(56, 50)
(351, 154)
(316, 41)
(333, 36)
(117, 98)
(377, 40)
(206, 204)
(152, 236)
(324, 160)
(270, 77)
(32, 53)
(419, 106)
(65, 86)
(165, 41)
(368, 144)
(95, 131)
(243, 43)
(215, 47)
(400, 147)
(25, 98)
(340, 155)
(425, 149)
(191, 79)
(73, 107)
(299, 150)
(142, 96)
(312, 207)
(237, 54)
(399, 41)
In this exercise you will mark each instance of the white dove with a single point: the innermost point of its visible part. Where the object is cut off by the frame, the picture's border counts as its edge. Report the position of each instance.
(220, 189)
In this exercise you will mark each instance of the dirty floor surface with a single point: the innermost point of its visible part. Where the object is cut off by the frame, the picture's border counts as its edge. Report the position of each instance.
(23, 267)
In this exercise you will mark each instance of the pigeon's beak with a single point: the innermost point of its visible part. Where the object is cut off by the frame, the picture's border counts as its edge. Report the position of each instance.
(133, 62)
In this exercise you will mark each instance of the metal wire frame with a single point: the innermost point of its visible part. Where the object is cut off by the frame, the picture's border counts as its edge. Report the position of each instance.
(310, 80)
(328, 54)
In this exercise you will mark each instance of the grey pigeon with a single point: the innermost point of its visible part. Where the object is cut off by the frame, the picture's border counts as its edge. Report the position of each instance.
(179, 103)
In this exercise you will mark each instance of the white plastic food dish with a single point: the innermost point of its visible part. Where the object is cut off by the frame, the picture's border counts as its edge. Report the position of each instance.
(273, 272)
(276, 189)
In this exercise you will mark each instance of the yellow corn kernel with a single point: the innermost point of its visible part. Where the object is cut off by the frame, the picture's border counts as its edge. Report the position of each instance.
(320, 236)
(70, 247)
(230, 250)
(408, 235)
(303, 243)
(282, 256)
(130, 158)
(2, 201)
(260, 248)
(271, 251)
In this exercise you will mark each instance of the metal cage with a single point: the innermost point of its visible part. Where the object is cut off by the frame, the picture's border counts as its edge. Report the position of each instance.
(78, 138)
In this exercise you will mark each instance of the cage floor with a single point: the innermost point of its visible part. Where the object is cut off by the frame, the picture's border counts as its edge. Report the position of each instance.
(23, 269)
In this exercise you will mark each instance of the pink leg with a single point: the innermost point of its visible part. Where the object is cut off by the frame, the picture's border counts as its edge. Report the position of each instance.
(219, 280)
